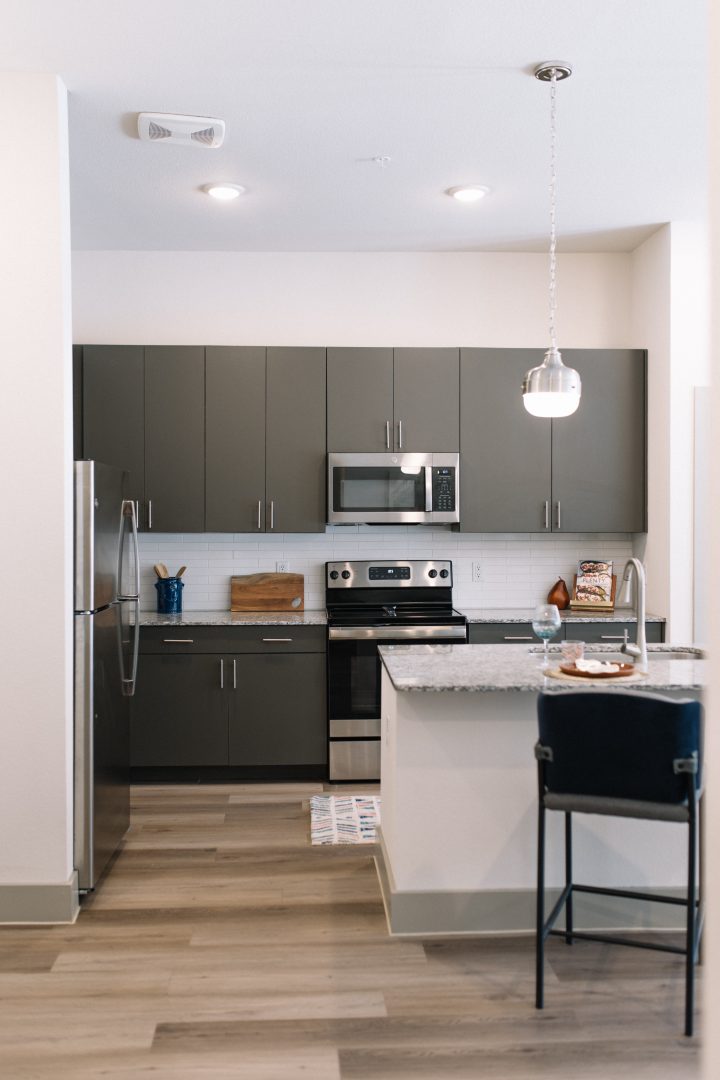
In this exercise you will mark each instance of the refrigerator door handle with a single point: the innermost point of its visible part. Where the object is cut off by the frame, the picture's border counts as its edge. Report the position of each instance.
(128, 684)
(129, 511)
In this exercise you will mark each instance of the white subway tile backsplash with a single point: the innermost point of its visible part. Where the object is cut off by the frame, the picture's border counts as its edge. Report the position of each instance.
(516, 570)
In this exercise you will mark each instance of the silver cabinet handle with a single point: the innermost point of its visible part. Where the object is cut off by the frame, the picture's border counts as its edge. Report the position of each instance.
(272, 514)
(234, 674)
(277, 639)
(399, 434)
(178, 641)
(222, 674)
(149, 513)
(259, 519)
(547, 513)
(137, 513)
(614, 637)
(559, 525)
(518, 637)
(387, 434)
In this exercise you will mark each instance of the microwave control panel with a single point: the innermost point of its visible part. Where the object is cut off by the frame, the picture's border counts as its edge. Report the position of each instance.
(443, 488)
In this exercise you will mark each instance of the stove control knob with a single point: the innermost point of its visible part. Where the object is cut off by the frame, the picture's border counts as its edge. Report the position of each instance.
(346, 574)
(432, 573)
(444, 573)
(334, 575)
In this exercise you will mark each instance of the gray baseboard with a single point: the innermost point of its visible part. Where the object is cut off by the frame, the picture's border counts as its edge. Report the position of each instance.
(511, 911)
(40, 903)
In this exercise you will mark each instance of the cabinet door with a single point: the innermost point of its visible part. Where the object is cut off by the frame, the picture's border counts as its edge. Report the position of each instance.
(505, 452)
(295, 480)
(175, 438)
(427, 400)
(179, 712)
(598, 453)
(360, 400)
(505, 634)
(278, 713)
(611, 633)
(234, 439)
(113, 410)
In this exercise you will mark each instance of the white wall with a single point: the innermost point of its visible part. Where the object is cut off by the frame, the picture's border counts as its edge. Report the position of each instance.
(236, 298)
(670, 312)
(35, 485)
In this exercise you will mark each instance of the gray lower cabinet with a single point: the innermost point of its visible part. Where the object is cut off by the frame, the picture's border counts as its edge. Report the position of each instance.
(278, 711)
(265, 439)
(607, 633)
(613, 633)
(251, 697)
(179, 712)
(175, 438)
(582, 473)
(382, 400)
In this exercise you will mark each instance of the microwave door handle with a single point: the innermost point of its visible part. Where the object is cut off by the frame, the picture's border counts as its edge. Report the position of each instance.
(428, 489)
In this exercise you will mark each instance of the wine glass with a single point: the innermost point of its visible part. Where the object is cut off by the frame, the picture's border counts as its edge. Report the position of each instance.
(546, 623)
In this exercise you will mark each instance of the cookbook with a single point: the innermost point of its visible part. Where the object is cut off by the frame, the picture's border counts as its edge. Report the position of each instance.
(594, 587)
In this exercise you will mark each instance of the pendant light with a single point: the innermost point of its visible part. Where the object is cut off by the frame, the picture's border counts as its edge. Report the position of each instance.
(552, 389)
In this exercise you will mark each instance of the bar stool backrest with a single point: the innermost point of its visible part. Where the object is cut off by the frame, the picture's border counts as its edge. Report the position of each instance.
(619, 745)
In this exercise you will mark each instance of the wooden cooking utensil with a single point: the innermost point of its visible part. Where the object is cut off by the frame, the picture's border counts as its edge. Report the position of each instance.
(164, 572)
(181, 571)
(159, 570)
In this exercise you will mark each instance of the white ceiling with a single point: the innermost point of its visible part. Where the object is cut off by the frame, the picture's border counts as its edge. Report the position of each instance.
(313, 90)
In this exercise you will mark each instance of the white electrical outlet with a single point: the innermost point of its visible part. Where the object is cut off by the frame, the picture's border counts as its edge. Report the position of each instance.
(282, 567)
(477, 572)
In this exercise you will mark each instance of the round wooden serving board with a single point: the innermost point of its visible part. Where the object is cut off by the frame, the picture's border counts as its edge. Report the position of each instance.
(625, 670)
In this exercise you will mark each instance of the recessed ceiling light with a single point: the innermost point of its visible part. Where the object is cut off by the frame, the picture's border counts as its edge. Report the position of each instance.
(224, 192)
(468, 193)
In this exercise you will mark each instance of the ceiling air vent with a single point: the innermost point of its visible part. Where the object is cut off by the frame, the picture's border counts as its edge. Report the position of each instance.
(175, 128)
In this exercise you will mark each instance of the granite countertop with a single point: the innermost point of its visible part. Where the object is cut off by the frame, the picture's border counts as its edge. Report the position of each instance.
(514, 667)
(524, 615)
(235, 618)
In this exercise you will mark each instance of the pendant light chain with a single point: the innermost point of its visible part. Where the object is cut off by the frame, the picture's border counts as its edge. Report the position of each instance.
(553, 201)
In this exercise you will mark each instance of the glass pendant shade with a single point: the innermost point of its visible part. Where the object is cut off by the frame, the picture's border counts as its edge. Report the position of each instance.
(552, 389)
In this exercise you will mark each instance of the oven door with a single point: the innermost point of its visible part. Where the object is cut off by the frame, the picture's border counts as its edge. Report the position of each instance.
(354, 671)
(379, 488)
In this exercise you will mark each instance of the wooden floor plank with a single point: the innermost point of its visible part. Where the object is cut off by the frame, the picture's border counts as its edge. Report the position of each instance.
(222, 945)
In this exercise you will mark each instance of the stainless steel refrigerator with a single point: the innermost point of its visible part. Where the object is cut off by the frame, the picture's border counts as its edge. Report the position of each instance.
(107, 585)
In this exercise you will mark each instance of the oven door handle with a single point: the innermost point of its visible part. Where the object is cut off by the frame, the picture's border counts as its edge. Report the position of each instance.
(396, 633)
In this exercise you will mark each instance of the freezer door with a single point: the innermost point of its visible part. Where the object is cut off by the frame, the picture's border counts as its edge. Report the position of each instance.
(102, 757)
(99, 529)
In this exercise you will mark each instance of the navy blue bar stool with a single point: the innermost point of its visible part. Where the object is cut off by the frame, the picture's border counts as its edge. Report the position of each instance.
(627, 755)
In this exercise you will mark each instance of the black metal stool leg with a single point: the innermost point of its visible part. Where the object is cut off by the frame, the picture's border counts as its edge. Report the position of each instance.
(540, 912)
(568, 880)
(690, 936)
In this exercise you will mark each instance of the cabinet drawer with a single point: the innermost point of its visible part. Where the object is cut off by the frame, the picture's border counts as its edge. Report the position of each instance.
(232, 639)
(504, 634)
(611, 633)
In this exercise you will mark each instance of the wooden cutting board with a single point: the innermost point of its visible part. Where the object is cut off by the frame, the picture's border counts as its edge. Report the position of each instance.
(267, 592)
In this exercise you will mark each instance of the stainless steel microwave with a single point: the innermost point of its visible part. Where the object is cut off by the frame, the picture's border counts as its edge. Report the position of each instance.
(393, 489)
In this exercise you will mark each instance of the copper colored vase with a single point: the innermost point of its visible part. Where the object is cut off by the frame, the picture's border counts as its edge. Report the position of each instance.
(559, 595)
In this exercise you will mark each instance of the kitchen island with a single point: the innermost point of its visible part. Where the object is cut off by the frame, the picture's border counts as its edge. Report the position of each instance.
(459, 795)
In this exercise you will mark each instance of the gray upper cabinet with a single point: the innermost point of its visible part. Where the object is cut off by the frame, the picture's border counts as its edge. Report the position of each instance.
(175, 437)
(360, 400)
(295, 443)
(113, 410)
(598, 453)
(505, 473)
(235, 439)
(427, 400)
(383, 400)
(582, 473)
